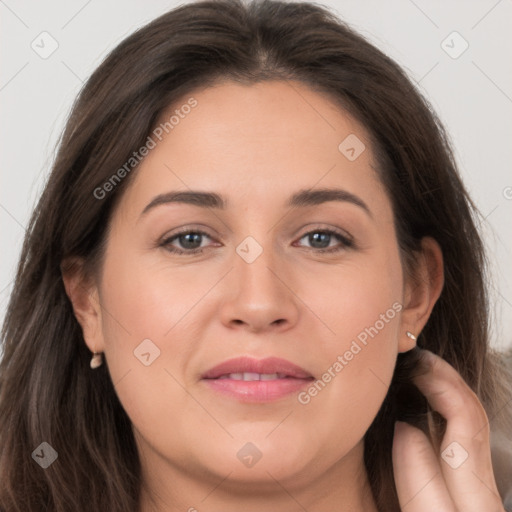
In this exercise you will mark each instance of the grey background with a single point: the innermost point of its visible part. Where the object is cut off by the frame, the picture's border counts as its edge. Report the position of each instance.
(471, 93)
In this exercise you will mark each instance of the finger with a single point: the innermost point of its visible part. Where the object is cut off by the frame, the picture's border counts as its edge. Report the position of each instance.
(465, 450)
(418, 476)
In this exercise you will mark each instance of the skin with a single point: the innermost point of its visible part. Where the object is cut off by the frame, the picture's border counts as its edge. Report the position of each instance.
(257, 145)
(461, 479)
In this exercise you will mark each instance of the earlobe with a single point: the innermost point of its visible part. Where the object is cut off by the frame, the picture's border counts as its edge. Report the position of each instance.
(422, 290)
(83, 295)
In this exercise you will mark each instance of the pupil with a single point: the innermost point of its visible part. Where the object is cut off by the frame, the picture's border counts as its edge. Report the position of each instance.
(316, 237)
(317, 240)
(189, 242)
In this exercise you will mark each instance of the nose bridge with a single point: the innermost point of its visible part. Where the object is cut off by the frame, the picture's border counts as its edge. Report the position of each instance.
(256, 264)
(261, 298)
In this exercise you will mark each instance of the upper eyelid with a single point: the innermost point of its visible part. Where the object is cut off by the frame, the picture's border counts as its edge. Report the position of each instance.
(321, 227)
(333, 231)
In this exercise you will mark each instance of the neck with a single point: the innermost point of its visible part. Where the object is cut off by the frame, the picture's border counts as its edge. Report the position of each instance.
(343, 487)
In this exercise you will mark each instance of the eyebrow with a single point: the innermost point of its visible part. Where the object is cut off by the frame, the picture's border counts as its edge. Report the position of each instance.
(301, 199)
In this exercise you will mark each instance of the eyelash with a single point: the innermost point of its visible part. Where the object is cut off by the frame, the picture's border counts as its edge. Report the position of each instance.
(346, 242)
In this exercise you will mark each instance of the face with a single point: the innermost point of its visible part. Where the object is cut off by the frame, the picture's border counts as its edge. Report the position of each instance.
(318, 283)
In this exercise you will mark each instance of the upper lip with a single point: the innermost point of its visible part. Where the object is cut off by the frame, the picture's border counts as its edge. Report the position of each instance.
(251, 365)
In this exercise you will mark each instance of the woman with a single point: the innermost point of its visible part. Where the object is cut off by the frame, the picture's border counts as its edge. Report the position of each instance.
(323, 347)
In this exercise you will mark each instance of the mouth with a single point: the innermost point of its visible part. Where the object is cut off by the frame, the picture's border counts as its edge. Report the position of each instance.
(250, 380)
(250, 377)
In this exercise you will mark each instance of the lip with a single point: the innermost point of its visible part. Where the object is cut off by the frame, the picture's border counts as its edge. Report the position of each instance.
(251, 365)
(292, 379)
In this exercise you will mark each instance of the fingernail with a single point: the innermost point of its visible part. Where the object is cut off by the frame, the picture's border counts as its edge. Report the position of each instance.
(428, 357)
(399, 425)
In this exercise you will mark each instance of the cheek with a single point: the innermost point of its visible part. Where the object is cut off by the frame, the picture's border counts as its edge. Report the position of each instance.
(148, 340)
(148, 300)
(350, 388)
(142, 312)
(357, 301)
(355, 357)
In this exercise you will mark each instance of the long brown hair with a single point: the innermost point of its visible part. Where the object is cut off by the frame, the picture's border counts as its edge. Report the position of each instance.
(47, 391)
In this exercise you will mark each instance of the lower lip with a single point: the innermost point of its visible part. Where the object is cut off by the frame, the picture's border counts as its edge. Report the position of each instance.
(257, 391)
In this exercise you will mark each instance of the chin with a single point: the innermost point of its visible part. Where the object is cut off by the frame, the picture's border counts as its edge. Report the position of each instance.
(263, 458)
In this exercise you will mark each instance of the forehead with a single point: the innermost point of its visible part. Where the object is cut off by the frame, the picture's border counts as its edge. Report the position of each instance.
(261, 142)
(262, 112)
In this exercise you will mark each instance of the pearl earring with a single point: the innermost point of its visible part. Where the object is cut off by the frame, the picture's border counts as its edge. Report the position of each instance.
(96, 360)
(411, 335)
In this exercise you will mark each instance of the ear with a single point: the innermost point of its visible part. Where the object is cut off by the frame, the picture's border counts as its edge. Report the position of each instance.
(84, 296)
(421, 290)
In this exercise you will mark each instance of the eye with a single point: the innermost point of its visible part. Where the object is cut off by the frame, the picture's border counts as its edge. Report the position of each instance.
(189, 240)
(320, 240)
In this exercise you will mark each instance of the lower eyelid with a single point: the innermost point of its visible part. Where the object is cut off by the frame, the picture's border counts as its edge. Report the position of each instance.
(169, 240)
(344, 240)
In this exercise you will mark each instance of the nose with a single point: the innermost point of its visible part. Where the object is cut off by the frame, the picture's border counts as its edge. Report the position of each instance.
(261, 295)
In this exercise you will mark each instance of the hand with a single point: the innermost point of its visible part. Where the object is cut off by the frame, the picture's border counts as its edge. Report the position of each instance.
(460, 478)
